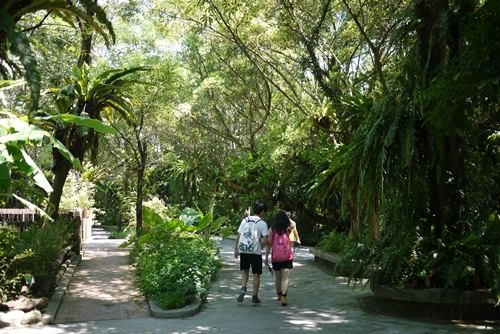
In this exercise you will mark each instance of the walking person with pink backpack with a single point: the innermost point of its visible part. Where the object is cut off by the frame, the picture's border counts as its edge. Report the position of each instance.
(281, 255)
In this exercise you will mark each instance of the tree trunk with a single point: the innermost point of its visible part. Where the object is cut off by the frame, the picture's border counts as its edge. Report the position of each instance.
(61, 170)
(140, 184)
(123, 202)
(445, 170)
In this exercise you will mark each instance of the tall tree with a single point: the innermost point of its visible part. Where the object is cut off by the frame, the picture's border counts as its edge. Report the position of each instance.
(104, 96)
(420, 149)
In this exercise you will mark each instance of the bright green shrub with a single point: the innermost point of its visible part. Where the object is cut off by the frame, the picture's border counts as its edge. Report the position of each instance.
(175, 266)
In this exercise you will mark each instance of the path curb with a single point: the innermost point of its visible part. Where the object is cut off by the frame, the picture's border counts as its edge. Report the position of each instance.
(50, 313)
(191, 309)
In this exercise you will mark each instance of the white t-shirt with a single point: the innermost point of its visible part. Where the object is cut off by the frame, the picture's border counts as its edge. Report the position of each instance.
(260, 226)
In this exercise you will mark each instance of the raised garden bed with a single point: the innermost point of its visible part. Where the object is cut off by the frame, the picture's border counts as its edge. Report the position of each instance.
(429, 303)
(423, 303)
(327, 259)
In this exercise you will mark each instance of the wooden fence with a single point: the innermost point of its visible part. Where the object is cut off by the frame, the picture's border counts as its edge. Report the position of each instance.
(22, 218)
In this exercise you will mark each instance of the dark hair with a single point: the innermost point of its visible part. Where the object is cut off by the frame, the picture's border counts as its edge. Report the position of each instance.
(259, 206)
(282, 223)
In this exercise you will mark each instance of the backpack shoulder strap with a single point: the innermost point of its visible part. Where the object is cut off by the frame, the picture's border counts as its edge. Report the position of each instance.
(250, 220)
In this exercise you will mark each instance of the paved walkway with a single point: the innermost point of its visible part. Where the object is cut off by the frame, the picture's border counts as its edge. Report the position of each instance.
(103, 286)
(317, 303)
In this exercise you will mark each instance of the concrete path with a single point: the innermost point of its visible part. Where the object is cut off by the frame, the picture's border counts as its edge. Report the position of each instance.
(103, 286)
(317, 303)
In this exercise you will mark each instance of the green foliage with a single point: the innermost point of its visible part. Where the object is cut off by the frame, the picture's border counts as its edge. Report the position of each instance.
(419, 175)
(11, 251)
(128, 232)
(31, 254)
(77, 193)
(469, 262)
(174, 265)
(41, 264)
(334, 242)
(107, 203)
(15, 136)
(19, 44)
(20, 47)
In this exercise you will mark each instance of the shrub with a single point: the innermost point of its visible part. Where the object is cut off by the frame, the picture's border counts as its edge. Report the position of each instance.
(45, 244)
(31, 254)
(334, 242)
(11, 251)
(175, 266)
(128, 232)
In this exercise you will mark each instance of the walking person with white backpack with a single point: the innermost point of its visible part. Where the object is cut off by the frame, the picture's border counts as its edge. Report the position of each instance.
(282, 255)
(248, 248)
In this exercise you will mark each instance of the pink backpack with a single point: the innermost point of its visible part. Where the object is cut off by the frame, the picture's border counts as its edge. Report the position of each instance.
(281, 248)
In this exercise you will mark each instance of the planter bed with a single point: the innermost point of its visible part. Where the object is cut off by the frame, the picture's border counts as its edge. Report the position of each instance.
(428, 303)
(325, 258)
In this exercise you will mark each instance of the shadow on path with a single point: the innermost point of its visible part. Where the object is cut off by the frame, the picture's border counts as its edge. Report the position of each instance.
(103, 286)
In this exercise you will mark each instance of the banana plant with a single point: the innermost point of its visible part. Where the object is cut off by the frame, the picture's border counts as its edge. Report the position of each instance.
(15, 135)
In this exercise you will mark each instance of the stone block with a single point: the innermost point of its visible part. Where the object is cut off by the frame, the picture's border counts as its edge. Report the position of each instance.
(32, 317)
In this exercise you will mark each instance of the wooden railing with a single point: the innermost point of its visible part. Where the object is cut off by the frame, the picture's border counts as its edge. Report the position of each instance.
(22, 218)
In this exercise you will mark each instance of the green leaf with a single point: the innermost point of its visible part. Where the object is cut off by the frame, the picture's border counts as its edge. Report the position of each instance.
(151, 218)
(204, 222)
(37, 174)
(218, 223)
(79, 120)
(492, 226)
(226, 232)
(20, 46)
(21, 133)
(7, 84)
(4, 174)
(145, 238)
(472, 239)
(33, 207)
(189, 216)
(66, 153)
(174, 223)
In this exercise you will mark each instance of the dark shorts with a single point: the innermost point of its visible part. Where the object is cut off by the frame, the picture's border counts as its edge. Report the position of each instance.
(283, 265)
(251, 260)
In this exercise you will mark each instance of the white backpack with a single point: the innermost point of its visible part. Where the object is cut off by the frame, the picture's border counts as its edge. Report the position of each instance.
(249, 241)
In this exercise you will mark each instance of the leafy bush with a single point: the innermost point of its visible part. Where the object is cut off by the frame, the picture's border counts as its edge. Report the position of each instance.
(11, 252)
(128, 232)
(469, 262)
(174, 263)
(45, 244)
(31, 254)
(334, 242)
